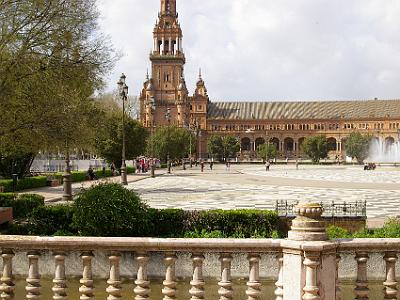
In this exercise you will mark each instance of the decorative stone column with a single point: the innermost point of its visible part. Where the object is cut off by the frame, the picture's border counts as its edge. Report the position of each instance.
(309, 260)
(308, 225)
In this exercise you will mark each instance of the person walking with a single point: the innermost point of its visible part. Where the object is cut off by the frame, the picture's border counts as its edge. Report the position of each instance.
(267, 165)
(202, 166)
(211, 165)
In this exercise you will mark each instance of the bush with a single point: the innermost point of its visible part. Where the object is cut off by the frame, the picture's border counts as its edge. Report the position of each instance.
(110, 210)
(24, 183)
(236, 223)
(167, 222)
(130, 170)
(49, 220)
(217, 223)
(23, 205)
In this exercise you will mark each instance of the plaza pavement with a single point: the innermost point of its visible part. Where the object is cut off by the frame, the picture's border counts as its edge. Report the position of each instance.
(250, 186)
(54, 194)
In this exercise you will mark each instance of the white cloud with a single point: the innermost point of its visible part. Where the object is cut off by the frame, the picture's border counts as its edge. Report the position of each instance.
(269, 50)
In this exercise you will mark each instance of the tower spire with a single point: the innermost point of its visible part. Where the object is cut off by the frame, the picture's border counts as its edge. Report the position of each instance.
(168, 7)
(200, 74)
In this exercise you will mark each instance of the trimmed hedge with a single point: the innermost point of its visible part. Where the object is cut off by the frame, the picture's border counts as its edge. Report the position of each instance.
(214, 223)
(108, 209)
(51, 220)
(24, 183)
(23, 205)
(42, 181)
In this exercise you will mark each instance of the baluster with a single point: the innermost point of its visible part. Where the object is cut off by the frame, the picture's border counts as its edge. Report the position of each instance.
(7, 285)
(338, 290)
(279, 283)
(169, 290)
(197, 283)
(87, 288)
(253, 291)
(60, 281)
(114, 289)
(361, 290)
(311, 262)
(225, 291)
(390, 282)
(142, 289)
(33, 281)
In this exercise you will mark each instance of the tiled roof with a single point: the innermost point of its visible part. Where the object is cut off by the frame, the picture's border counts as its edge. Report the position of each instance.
(304, 110)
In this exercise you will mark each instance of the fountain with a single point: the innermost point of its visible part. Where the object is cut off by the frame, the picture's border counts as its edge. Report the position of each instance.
(384, 151)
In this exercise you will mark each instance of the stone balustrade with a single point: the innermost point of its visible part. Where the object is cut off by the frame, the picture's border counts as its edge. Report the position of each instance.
(308, 265)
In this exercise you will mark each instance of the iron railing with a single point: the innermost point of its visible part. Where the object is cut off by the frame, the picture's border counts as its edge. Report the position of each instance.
(333, 209)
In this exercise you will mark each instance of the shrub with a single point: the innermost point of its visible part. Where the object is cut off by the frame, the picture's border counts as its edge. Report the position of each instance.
(130, 170)
(236, 223)
(23, 205)
(110, 210)
(217, 223)
(48, 220)
(167, 222)
(24, 183)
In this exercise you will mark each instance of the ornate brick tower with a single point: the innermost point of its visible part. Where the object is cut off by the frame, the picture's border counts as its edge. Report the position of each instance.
(166, 89)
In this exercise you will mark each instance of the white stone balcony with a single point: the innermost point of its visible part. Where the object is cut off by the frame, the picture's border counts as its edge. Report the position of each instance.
(305, 266)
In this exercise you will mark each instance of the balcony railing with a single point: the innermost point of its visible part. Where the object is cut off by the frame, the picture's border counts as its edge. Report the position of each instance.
(308, 264)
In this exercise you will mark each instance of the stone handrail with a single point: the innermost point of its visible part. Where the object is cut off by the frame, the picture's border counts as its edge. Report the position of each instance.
(308, 263)
(137, 244)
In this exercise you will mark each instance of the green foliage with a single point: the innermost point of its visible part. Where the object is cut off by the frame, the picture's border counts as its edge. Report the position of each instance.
(223, 147)
(391, 229)
(108, 142)
(204, 234)
(267, 151)
(170, 140)
(53, 59)
(335, 232)
(110, 210)
(357, 145)
(24, 183)
(23, 205)
(47, 220)
(15, 163)
(167, 222)
(315, 147)
(236, 223)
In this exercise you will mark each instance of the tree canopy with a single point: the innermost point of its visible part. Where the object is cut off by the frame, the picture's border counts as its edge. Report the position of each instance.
(172, 141)
(357, 146)
(267, 151)
(315, 147)
(52, 60)
(108, 142)
(223, 147)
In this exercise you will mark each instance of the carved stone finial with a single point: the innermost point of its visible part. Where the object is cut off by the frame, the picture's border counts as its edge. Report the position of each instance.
(308, 225)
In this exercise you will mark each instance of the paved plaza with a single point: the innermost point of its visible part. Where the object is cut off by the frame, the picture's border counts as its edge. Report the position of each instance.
(250, 186)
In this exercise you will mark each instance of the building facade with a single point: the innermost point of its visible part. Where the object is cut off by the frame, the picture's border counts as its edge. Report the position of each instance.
(165, 99)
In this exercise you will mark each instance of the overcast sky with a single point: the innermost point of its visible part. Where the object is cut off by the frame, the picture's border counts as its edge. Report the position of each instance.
(264, 50)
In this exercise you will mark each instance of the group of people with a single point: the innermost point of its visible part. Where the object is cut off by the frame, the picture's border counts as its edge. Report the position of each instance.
(144, 164)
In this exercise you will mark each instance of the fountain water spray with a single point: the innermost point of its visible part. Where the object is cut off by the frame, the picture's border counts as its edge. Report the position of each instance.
(384, 151)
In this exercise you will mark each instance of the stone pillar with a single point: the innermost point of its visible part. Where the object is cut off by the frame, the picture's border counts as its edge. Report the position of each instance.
(162, 47)
(309, 260)
(155, 46)
(170, 46)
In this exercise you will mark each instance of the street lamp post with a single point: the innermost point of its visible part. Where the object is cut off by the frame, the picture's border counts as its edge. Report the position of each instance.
(168, 118)
(123, 92)
(153, 166)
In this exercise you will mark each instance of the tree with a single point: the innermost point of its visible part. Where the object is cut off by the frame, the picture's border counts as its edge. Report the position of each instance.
(357, 146)
(267, 151)
(108, 142)
(315, 147)
(215, 147)
(52, 59)
(170, 141)
(223, 147)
